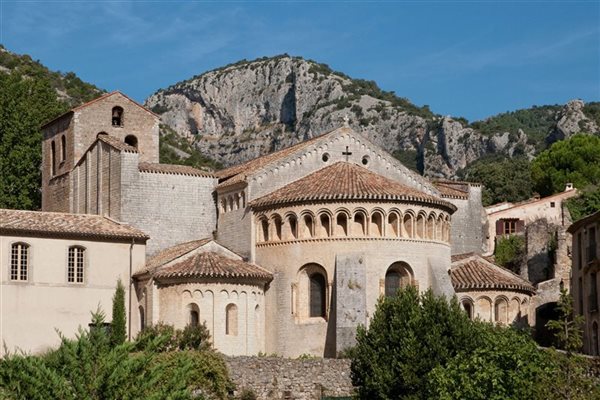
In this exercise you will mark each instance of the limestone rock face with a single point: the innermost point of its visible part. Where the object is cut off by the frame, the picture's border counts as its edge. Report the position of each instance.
(248, 109)
(571, 120)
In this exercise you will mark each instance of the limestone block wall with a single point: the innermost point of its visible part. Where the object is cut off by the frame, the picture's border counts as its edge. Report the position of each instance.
(500, 306)
(55, 191)
(96, 182)
(288, 325)
(283, 378)
(233, 312)
(170, 208)
(467, 222)
(47, 301)
(97, 117)
(234, 221)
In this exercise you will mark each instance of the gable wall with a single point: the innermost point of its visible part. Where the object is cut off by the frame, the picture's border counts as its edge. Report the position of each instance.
(55, 188)
(97, 117)
(309, 160)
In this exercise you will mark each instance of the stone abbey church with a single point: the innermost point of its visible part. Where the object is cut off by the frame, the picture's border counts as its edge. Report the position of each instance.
(287, 253)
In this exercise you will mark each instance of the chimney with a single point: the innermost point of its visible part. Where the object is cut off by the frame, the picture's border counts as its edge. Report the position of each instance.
(568, 186)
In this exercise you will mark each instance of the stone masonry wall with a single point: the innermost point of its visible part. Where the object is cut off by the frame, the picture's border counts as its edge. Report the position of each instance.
(282, 378)
(170, 208)
(466, 231)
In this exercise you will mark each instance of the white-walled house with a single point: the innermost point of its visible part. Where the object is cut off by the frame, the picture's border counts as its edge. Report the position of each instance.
(56, 268)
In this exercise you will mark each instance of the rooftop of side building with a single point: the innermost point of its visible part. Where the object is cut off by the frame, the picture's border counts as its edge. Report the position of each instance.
(59, 225)
(569, 191)
(580, 223)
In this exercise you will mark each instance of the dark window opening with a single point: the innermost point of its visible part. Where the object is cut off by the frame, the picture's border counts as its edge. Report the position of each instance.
(117, 116)
(552, 204)
(53, 158)
(63, 148)
(131, 140)
(194, 318)
(317, 295)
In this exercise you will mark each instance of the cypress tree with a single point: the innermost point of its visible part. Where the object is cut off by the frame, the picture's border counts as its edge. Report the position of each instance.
(117, 333)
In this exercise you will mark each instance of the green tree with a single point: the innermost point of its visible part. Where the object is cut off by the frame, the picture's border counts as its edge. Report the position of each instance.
(25, 104)
(507, 364)
(503, 179)
(588, 202)
(569, 378)
(118, 329)
(510, 252)
(408, 336)
(575, 160)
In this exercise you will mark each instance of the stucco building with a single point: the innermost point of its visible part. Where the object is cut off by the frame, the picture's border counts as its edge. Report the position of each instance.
(56, 268)
(287, 253)
(585, 280)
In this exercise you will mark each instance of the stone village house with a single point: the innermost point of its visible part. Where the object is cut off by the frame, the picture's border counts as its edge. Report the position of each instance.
(286, 253)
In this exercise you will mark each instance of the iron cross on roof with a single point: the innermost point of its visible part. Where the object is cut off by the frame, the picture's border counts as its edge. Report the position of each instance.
(346, 153)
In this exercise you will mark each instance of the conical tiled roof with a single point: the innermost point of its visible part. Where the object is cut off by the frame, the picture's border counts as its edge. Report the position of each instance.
(209, 264)
(346, 181)
(472, 271)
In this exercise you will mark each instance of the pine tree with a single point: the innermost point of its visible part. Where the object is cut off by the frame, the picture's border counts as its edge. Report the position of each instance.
(117, 333)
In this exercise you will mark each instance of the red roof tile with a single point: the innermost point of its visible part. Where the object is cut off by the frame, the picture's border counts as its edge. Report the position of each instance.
(173, 169)
(32, 223)
(209, 264)
(116, 143)
(451, 190)
(472, 271)
(167, 255)
(345, 181)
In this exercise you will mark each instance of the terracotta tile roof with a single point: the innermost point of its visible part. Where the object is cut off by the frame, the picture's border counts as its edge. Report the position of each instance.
(173, 169)
(167, 255)
(102, 97)
(116, 143)
(344, 180)
(21, 222)
(452, 191)
(209, 264)
(238, 173)
(472, 271)
(595, 217)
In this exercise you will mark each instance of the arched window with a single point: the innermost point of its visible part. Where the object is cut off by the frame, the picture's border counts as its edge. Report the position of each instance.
(431, 227)
(341, 222)
(277, 223)
(439, 229)
(318, 289)
(53, 158)
(19, 262)
(307, 226)
(420, 227)
(117, 116)
(142, 318)
(291, 228)
(63, 148)
(76, 264)
(257, 330)
(398, 275)
(231, 320)
(393, 225)
(484, 309)
(264, 230)
(324, 225)
(408, 226)
(131, 140)
(358, 228)
(501, 311)
(193, 314)
(376, 228)
(229, 203)
(468, 307)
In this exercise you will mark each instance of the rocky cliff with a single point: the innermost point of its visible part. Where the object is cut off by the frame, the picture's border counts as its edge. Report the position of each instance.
(247, 109)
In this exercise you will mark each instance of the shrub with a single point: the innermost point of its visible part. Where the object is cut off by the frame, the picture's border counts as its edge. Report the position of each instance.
(510, 252)
(118, 327)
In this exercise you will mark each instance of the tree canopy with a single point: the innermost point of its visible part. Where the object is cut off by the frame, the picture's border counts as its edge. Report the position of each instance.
(504, 179)
(575, 160)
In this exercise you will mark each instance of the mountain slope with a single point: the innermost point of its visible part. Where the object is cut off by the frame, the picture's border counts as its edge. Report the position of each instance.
(250, 108)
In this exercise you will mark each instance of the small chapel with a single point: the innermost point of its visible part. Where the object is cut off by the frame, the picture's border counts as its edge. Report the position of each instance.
(286, 253)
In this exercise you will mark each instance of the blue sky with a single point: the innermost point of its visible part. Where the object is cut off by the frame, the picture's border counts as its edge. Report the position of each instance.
(463, 58)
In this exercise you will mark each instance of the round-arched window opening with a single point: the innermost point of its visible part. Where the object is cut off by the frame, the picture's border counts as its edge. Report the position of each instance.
(325, 157)
(365, 160)
(131, 140)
